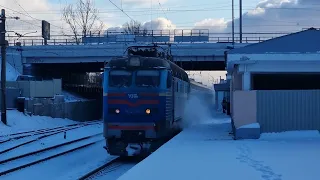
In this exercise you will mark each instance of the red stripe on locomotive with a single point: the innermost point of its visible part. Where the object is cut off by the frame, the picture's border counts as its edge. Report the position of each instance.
(130, 127)
(139, 94)
(138, 103)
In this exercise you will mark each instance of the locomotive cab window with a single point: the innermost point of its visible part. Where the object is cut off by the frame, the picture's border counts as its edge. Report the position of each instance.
(120, 78)
(147, 78)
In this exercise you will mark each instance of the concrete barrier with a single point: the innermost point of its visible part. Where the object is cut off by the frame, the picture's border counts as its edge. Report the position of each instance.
(78, 110)
(37, 89)
(250, 131)
(81, 111)
(42, 98)
(11, 97)
(41, 110)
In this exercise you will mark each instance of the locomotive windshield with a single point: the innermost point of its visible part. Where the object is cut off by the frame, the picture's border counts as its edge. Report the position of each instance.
(120, 78)
(148, 78)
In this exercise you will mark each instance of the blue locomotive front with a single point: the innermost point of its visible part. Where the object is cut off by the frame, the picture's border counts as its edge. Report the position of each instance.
(138, 104)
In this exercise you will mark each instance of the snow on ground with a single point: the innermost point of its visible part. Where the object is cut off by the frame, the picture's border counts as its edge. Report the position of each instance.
(207, 151)
(70, 97)
(19, 162)
(50, 141)
(11, 72)
(69, 166)
(18, 122)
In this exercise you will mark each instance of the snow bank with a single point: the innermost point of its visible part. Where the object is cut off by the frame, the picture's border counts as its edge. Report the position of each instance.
(293, 135)
(51, 141)
(18, 122)
(248, 131)
(11, 72)
(70, 166)
(253, 125)
(208, 152)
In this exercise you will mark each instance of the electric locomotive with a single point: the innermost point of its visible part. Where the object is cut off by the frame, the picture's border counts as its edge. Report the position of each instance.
(143, 103)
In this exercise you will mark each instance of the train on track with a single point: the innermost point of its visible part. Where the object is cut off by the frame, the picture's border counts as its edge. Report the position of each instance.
(144, 100)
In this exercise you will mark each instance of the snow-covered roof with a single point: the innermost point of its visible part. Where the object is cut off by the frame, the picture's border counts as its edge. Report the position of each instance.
(306, 41)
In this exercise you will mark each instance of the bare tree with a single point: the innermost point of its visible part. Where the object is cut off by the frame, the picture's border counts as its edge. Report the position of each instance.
(82, 19)
(134, 27)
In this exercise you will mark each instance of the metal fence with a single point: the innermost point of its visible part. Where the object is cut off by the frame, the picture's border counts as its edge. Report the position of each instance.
(286, 110)
(177, 36)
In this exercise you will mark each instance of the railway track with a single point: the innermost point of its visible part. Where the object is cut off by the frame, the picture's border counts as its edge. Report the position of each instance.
(34, 140)
(110, 164)
(22, 161)
(45, 131)
(13, 135)
(115, 164)
(46, 134)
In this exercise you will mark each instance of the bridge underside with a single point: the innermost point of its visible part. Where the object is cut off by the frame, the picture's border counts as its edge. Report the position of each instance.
(75, 77)
(43, 68)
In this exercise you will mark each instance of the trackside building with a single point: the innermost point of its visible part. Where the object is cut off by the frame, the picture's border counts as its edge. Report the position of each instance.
(274, 85)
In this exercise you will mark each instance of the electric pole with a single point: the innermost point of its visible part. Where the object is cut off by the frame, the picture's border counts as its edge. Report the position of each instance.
(3, 66)
(232, 21)
(240, 20)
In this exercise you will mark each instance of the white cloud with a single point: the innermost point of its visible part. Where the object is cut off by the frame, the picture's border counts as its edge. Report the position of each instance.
(273, 16)
(143, 1)
(116, 29)
(26, 24)
(138, 3)
(214, 25)
(268, 16)
(159, 24)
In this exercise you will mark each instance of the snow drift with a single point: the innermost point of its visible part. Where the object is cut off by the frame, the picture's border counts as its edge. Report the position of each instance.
(18, 122)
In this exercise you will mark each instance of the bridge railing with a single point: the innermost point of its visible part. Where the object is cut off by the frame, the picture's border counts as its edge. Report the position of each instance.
(173, 36)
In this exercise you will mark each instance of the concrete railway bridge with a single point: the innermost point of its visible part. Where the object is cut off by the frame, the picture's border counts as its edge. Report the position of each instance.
(63, 58)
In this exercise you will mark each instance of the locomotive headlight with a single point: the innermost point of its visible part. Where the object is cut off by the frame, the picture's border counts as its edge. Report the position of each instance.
(148, 111)
(117, 111)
